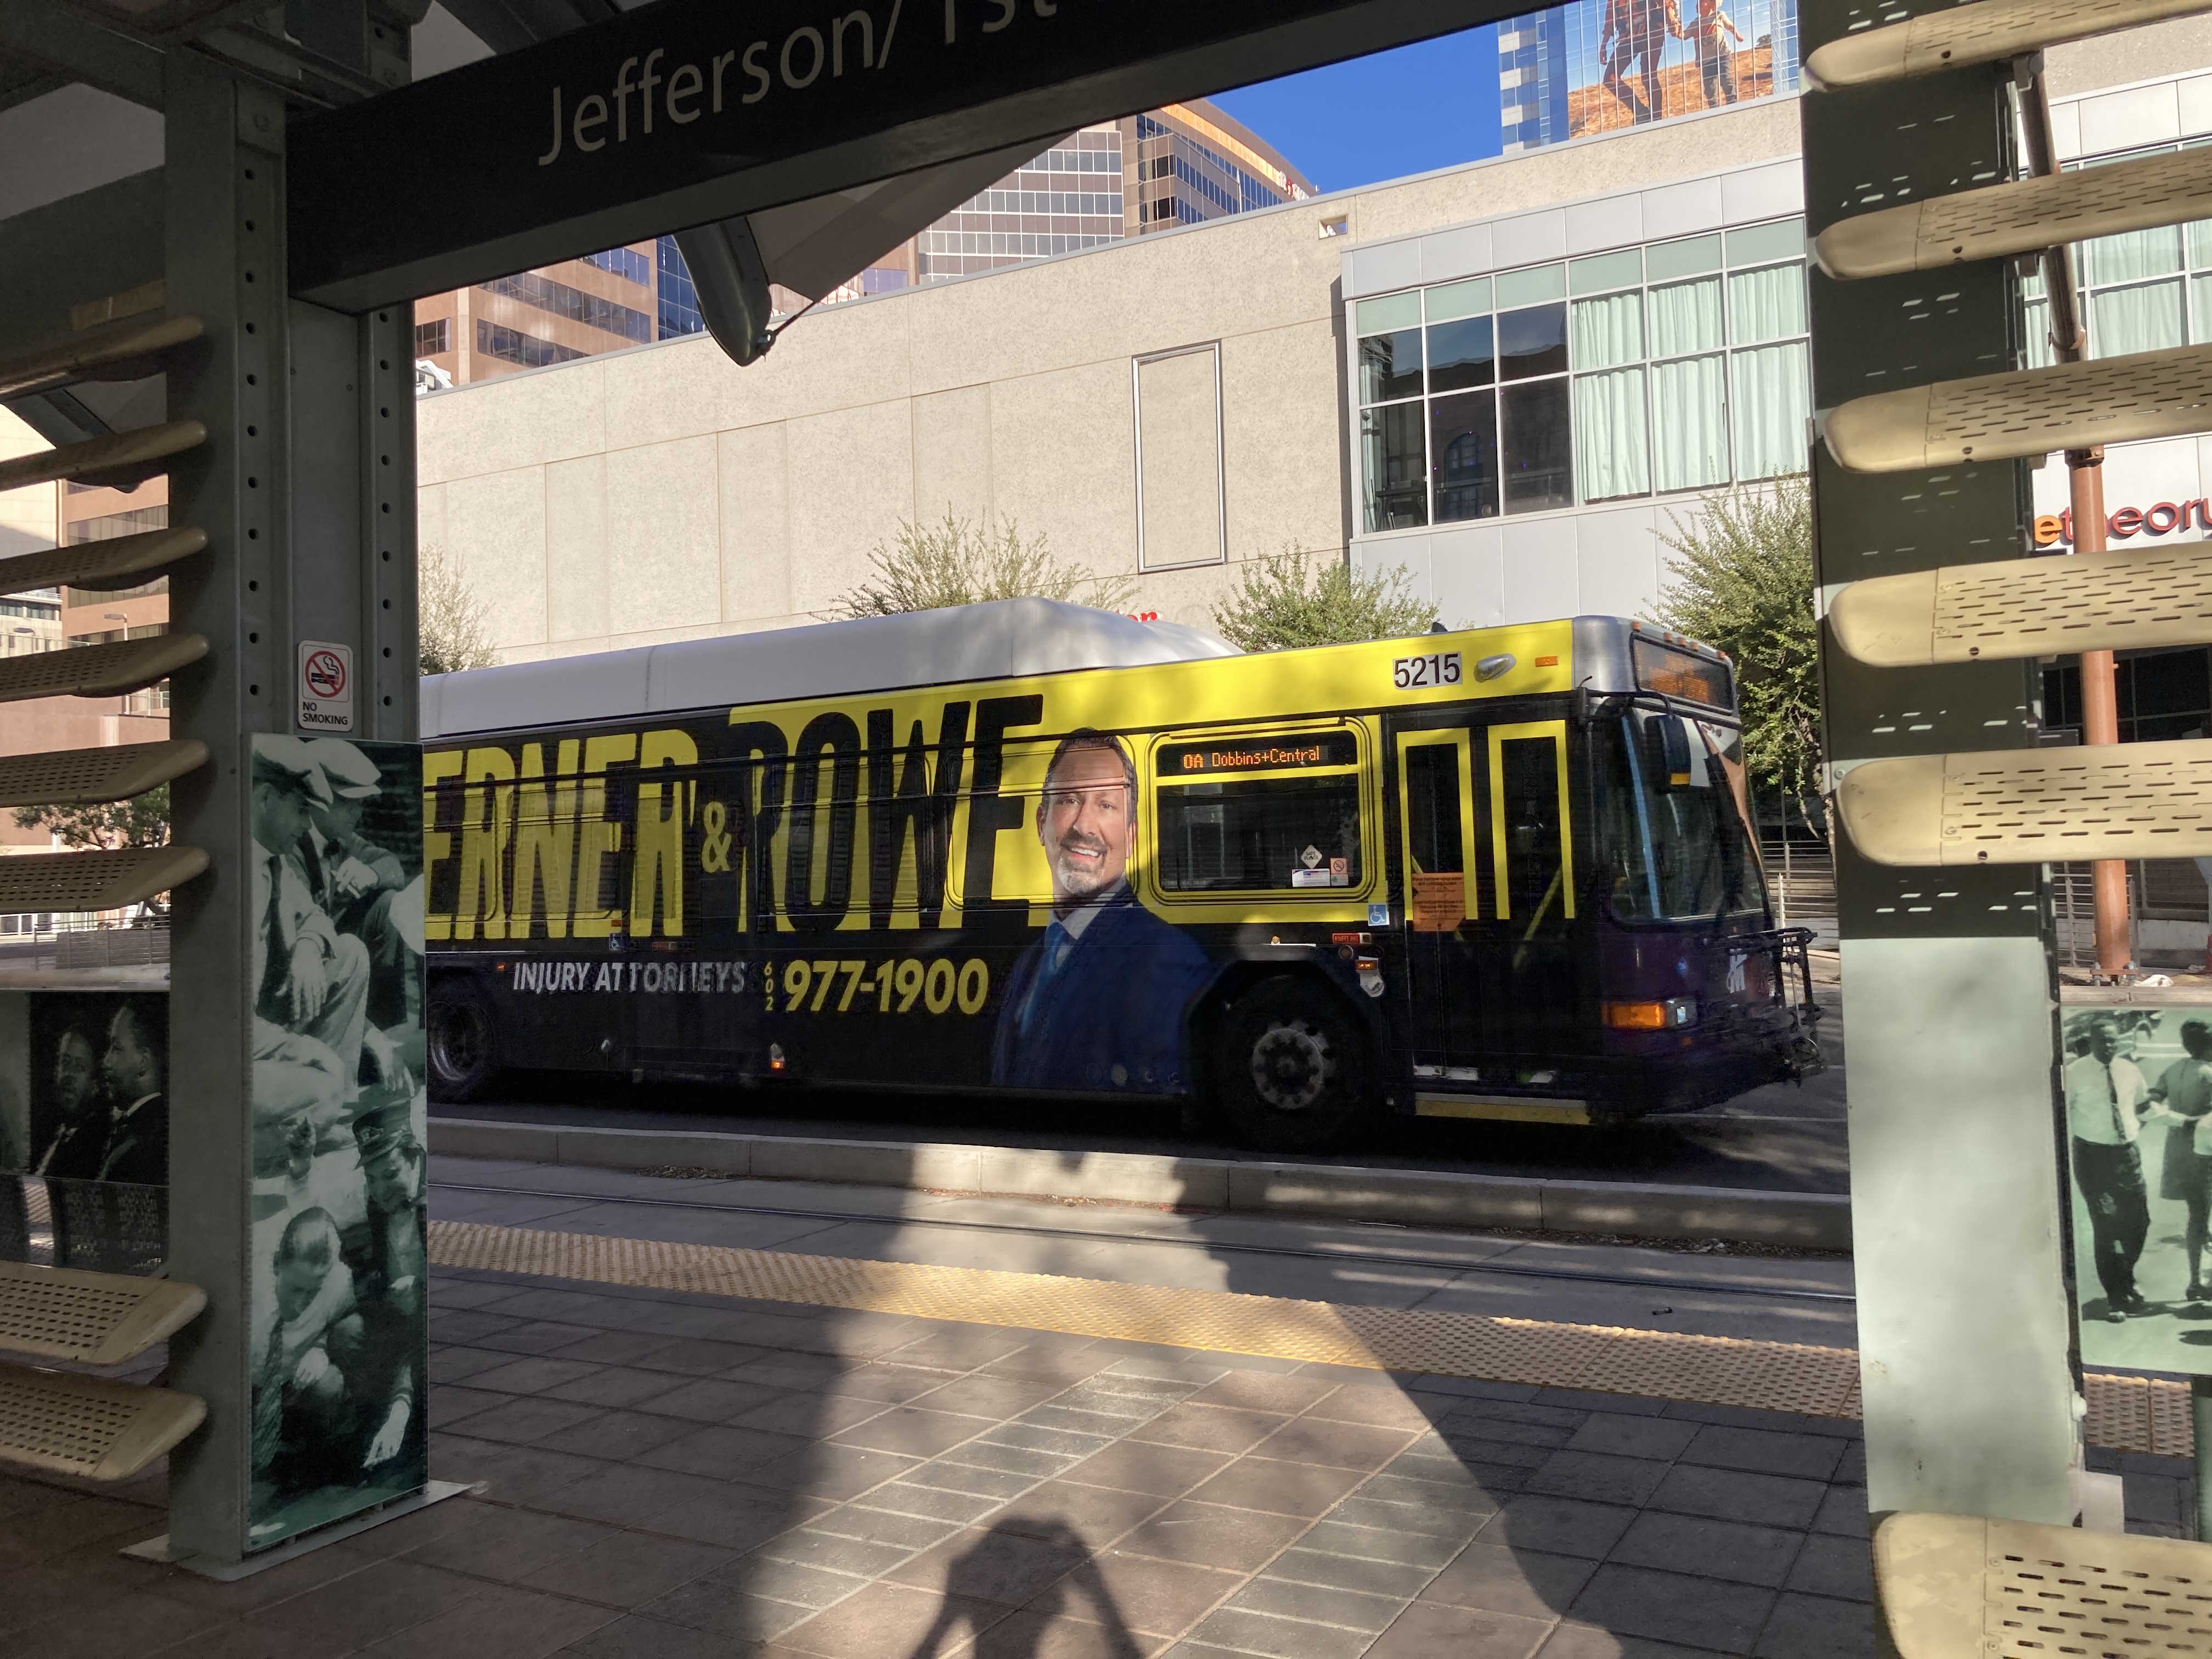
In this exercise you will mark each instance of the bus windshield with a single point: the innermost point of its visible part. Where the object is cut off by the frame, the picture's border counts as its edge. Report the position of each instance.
(1671, 855)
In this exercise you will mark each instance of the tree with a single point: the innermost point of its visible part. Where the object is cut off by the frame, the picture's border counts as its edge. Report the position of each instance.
(1744, 582)
(142, 821)
(960, 561)
(1282, 605)
(450, 619)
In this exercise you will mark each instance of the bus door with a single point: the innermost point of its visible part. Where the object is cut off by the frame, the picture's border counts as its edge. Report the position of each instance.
(1488, 894)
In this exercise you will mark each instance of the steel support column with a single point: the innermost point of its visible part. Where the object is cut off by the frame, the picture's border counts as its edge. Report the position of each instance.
(1965, 1328)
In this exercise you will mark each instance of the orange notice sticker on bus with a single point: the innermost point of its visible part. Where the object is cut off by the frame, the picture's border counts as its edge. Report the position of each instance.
(1439, 902)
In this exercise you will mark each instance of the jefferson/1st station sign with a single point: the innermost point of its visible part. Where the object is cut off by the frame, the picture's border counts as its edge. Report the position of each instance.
(687, 112)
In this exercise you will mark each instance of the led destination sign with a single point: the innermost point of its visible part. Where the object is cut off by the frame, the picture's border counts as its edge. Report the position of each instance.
(1289, 754)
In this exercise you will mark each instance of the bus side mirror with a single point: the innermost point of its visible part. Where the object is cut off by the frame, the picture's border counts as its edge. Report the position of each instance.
(1667, 751)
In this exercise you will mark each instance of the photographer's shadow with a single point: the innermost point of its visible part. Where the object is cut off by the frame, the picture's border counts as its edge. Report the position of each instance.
(975, 1580)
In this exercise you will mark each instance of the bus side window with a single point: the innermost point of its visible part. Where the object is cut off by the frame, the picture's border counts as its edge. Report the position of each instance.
(1433, 797)
(1533, 831)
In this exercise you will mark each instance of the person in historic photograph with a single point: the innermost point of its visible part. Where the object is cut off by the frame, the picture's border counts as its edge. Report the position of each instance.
(302, 1404)
(134, 1070)
(77, 1114)
(1097, 1003)
(354, 879)
(2106, 1093)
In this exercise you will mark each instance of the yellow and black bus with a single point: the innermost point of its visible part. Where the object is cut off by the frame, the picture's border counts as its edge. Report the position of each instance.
(1044, 849)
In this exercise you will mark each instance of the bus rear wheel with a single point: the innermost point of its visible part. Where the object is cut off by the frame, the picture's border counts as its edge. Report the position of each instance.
(1292, 1075)
(464, 1055)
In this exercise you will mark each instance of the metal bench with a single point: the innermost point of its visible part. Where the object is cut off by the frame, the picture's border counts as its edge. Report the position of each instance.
(1963, 1587)
(68, 1423)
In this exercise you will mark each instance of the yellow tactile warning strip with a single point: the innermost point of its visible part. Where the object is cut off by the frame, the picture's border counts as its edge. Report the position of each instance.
(2128, 1414)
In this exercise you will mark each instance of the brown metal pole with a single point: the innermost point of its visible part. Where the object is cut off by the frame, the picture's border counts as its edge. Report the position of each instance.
(2101, 708)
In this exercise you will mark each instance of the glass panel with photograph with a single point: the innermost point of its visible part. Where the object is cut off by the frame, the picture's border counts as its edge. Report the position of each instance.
(1464, 438)
(1394, 460)
(1773, 398)
(1689, 424)
(1532, 342)
(1390, 366)
(1611, 455)
(1539, 453)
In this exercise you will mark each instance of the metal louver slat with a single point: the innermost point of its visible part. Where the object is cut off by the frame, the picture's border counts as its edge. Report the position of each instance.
(77, 777)
(99, 671)
(125, 346)
(137, 447)
(95, 881)
(2131, 800)
(2109, 601)
(88, 1426)
(2021, 217)
(1984, 32)
(119, 561)
(2000, 417)
(95, 1319)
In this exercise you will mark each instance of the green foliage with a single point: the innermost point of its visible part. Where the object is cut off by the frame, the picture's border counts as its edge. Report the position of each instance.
(960, 561)
(142, 822)
(1744, 582)
(1282, 605)
(450, 627)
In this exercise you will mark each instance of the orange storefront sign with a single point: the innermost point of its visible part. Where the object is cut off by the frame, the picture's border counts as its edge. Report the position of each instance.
(2161, 519)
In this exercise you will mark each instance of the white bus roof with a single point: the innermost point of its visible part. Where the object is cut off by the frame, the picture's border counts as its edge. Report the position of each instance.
(1003, 640)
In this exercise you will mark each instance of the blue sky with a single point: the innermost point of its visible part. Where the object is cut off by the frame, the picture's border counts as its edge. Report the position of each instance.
(1432, 105)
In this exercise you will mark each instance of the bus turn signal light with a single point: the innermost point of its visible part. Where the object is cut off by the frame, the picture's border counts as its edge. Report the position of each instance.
(1670, 1015)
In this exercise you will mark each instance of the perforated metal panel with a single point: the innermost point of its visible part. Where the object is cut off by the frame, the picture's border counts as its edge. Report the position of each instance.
(87, 1425)
(95, 455)
(1994, 418)
(95, 354)
(2021, 218)
(119, 561)
(2131, 599)
(2033, 806)
(95, 881)
(1983, 33)
(100, 1319)
(99, 671)
(76, 776)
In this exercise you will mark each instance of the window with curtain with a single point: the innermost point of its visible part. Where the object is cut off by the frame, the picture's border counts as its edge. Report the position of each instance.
(2146, 291)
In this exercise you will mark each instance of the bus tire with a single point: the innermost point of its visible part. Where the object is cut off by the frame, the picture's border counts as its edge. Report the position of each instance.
(1292, 1073)
(462, 1051)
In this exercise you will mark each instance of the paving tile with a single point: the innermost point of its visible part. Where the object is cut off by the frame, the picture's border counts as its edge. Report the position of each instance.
(1035, 1436)
(1334, 1445)
(1301, 1565)
(538, 1336)
(909, 1531)
(499, 1624)
(1149, 1595)
(1841, 1567)
(807, 1415)
(365, 1606)
(987, 1396)
(458, 1364)
(1445, 1505)
(1559, 1525)
(1282, 1598)
(1207, 1428)
(829, 1471)
(1815, 1627)
(1375, 1544)
(1805, 1457)
(1733, 1550)
(1275, 1487)
(723, 1453)
(1843, 1512)
(998, 1565)
(1131, 1466)
(891, 1621)
(612, 1385)
(614, 1347)
(127, 1623)
(618, 1435)
(1597, 1478)
(1625, 1436)
(510, 1474)
(802, 1583)
(1594, 1400)
(903, 1497)
(1378, 1407)
(1009, 1460)
(1279, 1638)
(731, 1612)
(913, 1432)
(948, 1475)
(1206, 1535)
(1457, 1433)
(1574, 1641)
(628, 1570)
(812, 1546)
(522, 1421)
(715, 1400)
(506, 1544)
(1466, 1451)
(1697, 1612)
(1429, 1629)
(452, 1402)
(1106, 1426)
(1097, 1515)
(701, 1356)
(737, 1517)
(1497, 1409)
(627, 1494)
(1035, 1635)
(465, 1325)
(963, 1348)
(531, 1375)
(1460, 1471)
(893, 1384)
(1528, 1584)
(1766, 1500)
(1259, 1391)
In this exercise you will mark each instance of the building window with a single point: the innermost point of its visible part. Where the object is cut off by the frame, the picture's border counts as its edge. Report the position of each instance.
(433, 338)
(625, 262)
(108, 525)
(559, 299)
(1180, 511)
(679, 300)
(1681, 366)
(523, 350)
(2147, 290)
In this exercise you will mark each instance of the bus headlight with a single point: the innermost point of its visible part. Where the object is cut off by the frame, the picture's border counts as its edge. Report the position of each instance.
(1673, 1015)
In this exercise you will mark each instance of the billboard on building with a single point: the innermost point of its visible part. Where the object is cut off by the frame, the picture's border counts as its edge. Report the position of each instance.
(339, 1277)
(1596, 66)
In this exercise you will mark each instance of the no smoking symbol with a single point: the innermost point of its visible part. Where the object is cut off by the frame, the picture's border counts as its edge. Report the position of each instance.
(325, 674)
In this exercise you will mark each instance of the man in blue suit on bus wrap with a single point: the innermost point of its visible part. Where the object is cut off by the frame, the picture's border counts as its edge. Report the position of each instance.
(1096, 1004)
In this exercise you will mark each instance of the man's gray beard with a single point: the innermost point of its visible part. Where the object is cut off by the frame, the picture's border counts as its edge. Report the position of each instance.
(1070, 894)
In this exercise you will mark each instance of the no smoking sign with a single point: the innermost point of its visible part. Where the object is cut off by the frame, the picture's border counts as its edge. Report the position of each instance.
(326, 686)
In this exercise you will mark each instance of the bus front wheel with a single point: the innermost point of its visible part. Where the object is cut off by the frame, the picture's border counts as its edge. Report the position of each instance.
(1292, 1072)
(464, 1055)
